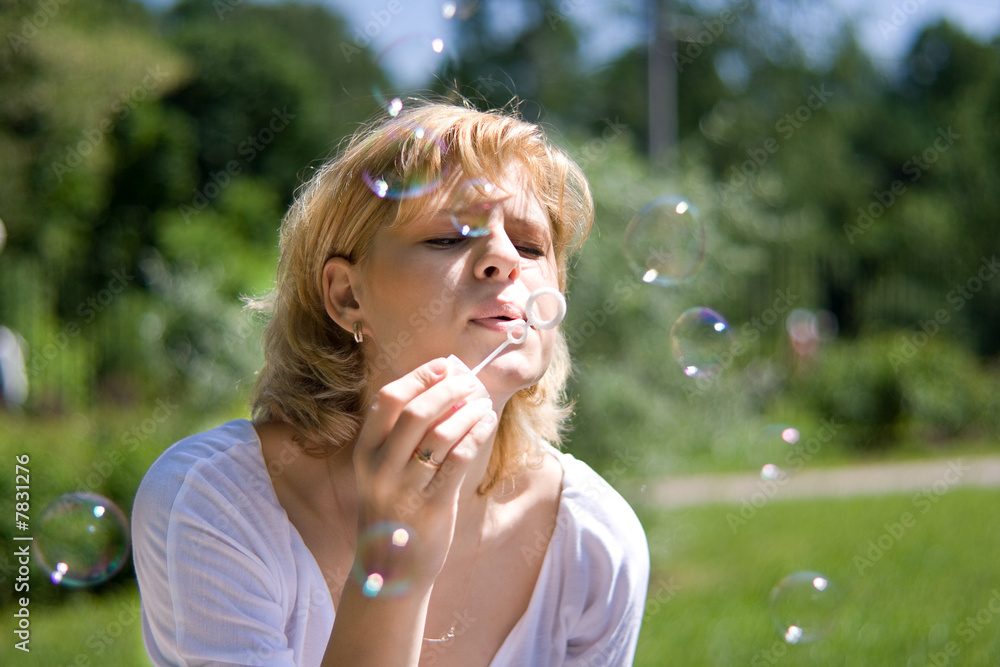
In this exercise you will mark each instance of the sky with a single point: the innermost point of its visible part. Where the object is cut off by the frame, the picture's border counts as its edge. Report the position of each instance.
(402, 30)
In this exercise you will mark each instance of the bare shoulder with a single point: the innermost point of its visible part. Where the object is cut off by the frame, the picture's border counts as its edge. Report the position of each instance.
(530, 502)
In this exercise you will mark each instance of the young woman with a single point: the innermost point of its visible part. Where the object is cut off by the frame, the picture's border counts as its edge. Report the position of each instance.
(404, 262)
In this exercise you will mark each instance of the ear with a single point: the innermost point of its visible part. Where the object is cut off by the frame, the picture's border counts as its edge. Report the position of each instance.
(339, 281)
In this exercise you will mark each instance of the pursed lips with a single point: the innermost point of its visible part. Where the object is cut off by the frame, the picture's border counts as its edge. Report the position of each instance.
(497, 316)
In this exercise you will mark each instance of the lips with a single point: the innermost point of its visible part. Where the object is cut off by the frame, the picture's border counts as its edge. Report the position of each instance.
(497, 315)
(498, 310)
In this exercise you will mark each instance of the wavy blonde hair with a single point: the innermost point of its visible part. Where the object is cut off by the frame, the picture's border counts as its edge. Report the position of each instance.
(315, 377)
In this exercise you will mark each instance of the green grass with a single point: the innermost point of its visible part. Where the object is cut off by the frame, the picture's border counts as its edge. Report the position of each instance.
(85, 630)
(708, 601)
(709, 589)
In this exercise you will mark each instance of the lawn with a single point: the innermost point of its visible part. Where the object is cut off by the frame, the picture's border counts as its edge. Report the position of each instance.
(925, 591)
(917, 577)
(917, 574)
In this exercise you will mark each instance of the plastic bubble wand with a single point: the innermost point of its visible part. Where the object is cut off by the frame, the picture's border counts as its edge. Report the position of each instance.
(517, 332)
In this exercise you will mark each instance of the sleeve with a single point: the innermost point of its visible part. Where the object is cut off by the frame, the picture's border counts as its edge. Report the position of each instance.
(614, 560)
(208, 596)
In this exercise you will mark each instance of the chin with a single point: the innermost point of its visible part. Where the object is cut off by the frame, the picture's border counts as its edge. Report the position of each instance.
(503, 380)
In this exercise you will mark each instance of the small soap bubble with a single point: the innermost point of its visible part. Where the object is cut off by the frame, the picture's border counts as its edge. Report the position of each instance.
(807, 329)
(416, 60)
(471, 204)
(770, 472)
(419, 150)
(459, 10)
(384, 566)
(771, 443)
(82, 540)
(700, 340)
(665, 241)
(804, 606)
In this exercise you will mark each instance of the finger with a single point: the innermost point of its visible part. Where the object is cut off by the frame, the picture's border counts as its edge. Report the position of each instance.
(443, 488)
(443, 436)
(390, 400)
(421, 415)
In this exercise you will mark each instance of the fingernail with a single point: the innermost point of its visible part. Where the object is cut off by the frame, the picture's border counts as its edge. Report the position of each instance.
(489, 419)
(437, 368)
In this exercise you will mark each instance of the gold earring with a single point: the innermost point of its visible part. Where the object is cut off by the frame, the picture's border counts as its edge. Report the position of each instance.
(358, 336)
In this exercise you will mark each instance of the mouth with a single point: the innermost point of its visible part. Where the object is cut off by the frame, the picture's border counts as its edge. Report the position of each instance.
(498, 312)
(500, 323)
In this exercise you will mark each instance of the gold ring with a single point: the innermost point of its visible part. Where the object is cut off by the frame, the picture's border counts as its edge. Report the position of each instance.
(425, 457)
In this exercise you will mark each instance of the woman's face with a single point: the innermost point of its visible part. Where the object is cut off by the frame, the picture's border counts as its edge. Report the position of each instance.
(427, 291)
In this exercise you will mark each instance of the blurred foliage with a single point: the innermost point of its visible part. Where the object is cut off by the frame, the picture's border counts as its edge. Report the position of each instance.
(146, 160)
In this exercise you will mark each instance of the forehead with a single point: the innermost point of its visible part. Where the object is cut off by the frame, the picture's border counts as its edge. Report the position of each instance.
(511, 187)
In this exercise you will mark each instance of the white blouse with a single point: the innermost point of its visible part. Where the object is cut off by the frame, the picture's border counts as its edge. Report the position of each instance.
(225, 579)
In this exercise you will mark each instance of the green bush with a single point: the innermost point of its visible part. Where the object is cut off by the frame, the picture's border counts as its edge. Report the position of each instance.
(885, 388)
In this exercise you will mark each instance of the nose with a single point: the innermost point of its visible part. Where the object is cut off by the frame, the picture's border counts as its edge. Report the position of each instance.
(499, 260)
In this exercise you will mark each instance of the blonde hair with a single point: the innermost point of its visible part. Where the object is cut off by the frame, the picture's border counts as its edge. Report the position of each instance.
(314, 375)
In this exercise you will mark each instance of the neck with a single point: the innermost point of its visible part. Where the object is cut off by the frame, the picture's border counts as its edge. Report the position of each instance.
(479, 468)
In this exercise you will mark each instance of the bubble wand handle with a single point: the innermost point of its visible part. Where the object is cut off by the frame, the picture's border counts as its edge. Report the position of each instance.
(511, 338)
(532, 322)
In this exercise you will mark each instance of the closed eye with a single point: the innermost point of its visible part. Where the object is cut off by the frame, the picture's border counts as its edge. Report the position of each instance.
(444, 242)
(531, 251)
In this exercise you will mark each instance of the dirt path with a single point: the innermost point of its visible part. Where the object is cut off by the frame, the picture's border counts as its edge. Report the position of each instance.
(868, 479)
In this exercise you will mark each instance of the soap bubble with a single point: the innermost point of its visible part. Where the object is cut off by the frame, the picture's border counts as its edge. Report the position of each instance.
(13, 371)
(700, 339)
(665, 241)
(804, 606)
(460, 10)
(82, 540)
(770, 472)
(807, 329)
(471, 204)
(384, 566)
(416, 59)
(772, 443)
(417, 147)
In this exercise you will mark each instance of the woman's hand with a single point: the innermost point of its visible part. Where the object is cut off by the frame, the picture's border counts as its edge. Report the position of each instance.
(436, 413)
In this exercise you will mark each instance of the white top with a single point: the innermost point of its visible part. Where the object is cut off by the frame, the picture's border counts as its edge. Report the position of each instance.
(225, 579)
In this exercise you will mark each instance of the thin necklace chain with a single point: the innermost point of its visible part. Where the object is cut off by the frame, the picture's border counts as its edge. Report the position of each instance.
(448, 636)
